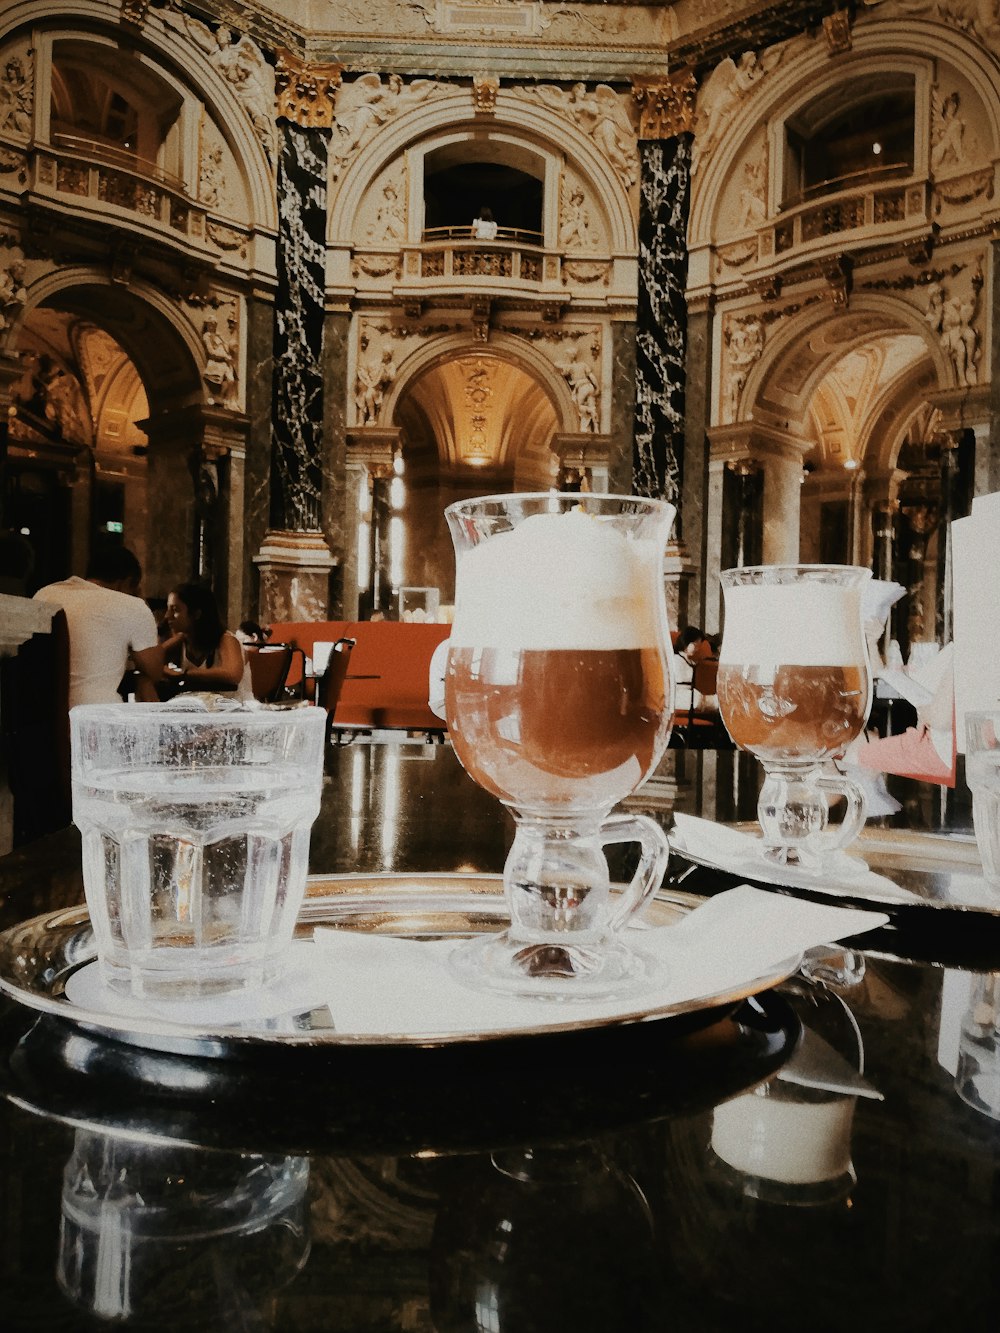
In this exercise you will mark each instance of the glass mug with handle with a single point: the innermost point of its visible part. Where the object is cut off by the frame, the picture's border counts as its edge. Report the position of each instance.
(795, 689)
(559, 698)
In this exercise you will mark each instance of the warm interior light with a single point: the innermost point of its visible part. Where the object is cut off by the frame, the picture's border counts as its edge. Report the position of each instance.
(876, 148)
(851, 464)
(395, 551)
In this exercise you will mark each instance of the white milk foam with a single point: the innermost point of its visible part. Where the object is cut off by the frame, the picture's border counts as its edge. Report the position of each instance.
(793, 624)
(556, 581)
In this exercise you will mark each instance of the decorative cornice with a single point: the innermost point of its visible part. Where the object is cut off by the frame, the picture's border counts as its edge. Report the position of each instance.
(484, 94)
(666, 109)
(305, 93)
(134, 12)
(837, 31)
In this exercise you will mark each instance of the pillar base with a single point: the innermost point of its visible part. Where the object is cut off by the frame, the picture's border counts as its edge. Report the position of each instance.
(295, 572)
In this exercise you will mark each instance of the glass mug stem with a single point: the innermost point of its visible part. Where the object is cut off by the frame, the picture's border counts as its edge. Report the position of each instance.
(794, 814)
(565, 921)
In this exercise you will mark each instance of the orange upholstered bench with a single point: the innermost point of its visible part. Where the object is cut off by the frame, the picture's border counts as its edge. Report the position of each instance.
(389, 673)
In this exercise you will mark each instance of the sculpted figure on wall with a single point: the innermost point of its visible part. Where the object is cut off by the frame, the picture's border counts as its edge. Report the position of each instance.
(210, 175)
(366, 104)
(951, 317)
(753, 204)
(13, 292)
(721, 94)
(979, 16)
(947, 133)
(575, 231)
(220, 364)
(744, 341)
(583, 386)
(375, 375)
(389, 226)
(603, 116)
(241, 63)
(16, 96)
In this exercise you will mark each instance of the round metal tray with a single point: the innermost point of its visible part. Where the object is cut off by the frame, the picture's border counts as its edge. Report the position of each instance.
(38, 957)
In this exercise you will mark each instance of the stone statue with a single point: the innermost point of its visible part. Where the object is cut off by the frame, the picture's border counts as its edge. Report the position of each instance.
(574, 223)
(374, 377)
(62, 404)
(366, 104)
(601, 115)
(13, 292)
(721, 94)
(16, 97)
(950, 317)
(242, 63)
(220, 362)
(583, 386)
(947, 133)
(211, 177)
(744, 340)
(753, 208)
(389, 226)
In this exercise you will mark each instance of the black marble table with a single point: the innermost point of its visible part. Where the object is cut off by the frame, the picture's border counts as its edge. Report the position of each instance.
(562, 1187)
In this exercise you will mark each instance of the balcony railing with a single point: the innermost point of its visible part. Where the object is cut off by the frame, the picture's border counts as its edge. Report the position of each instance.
(880, 207)
(456, 257)
(98, 174)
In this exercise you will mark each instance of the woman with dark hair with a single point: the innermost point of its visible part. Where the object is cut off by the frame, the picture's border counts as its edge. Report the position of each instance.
(210, 658)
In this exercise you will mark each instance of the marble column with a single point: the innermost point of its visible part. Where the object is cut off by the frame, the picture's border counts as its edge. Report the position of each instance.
(666, 112)
(665, 136)
(295, 561)
(371, 451)
(623, 376)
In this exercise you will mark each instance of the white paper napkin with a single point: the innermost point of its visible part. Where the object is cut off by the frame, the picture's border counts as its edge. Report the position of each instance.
(739, 853)
(379, 985)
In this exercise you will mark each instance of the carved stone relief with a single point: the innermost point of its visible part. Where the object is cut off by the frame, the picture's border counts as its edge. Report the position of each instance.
(581, 376)
(220, 339)
(17, 98)
(743, 339)
(211, 169)
(577, 230)
(948, 149)
(722, 94)
(605, 116)
(951, 314)
(375, 375)
(13, 292)
(388, 228)
(241, 62)
(978, 17)
(364, 105)
(484, 94)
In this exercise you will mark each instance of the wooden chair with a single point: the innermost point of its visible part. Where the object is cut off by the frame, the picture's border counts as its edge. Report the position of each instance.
(330, 684)
(268, 672)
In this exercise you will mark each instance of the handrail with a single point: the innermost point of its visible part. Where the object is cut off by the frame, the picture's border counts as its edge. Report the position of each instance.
(871, 177)
(117, 157)
(518, 235)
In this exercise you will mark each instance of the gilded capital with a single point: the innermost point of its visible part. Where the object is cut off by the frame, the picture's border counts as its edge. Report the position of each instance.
(305, 93)
(666, 109)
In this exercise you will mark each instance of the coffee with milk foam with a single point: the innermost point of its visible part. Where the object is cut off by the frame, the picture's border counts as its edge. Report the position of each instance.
(556, 582)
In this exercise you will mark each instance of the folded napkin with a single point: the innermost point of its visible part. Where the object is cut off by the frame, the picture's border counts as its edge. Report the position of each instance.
(380, 985)
(739, 853)
(926, 752)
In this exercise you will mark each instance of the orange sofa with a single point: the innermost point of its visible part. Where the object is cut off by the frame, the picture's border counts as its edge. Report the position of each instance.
(389, 672)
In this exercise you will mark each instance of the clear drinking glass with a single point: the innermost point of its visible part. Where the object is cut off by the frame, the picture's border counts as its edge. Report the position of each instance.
(196, 827)
(559, 699)
(795, 689)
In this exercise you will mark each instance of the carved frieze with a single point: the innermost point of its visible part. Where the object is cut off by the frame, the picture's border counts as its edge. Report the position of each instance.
(584, 271)
(605, 116)
(367, 103)
(17, 97)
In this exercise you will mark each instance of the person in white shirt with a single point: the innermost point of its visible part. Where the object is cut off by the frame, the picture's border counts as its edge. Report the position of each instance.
(483, 227)
(107, 623)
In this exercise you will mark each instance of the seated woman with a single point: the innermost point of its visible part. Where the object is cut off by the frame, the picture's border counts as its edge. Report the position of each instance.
(205, 655)
(690, 647)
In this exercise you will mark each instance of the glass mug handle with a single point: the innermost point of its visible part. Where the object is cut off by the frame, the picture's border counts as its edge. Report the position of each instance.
(654, 853)
(853, 822)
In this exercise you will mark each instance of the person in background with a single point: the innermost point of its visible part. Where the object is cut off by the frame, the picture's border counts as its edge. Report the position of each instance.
(252, 635)
(107, 622)
(688, 648)
(484, 228)
(203, 654)
(158, 606)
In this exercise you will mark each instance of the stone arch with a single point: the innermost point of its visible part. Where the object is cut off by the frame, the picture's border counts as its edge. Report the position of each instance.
(804, 347)
(161, 341)
(501, 346)
(805, 70)
(420, 129)
(180, 63)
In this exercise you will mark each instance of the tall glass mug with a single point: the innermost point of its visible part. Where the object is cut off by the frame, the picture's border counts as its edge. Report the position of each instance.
(795, 689)
(559, 698)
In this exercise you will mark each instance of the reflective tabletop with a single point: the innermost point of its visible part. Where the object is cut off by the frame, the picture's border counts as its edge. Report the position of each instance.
(801, 1159)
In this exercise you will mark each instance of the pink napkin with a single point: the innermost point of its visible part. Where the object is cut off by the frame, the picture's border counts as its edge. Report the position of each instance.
(927, 751)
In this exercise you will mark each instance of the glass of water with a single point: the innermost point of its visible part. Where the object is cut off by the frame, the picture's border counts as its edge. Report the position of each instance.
(196, 824)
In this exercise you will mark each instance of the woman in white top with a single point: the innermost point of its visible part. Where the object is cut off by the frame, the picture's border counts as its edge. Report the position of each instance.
(483, 227)
(210, 657)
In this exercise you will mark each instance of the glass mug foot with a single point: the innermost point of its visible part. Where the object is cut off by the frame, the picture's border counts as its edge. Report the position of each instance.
(604, 970)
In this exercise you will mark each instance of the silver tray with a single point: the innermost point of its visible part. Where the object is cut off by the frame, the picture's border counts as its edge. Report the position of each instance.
(38, 957)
